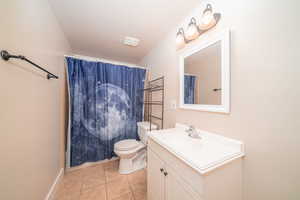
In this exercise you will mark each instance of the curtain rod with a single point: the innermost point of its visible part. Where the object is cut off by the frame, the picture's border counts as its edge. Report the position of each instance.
(6, 56)
(88, 58)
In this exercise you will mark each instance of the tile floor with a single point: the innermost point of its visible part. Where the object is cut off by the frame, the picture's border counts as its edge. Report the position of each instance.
(102, 182)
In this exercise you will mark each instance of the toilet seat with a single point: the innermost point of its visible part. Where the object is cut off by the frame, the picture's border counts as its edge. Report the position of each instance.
(126, 145)
(132, 151)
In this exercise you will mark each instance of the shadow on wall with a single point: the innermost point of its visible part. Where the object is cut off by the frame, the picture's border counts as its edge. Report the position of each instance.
(27, 68)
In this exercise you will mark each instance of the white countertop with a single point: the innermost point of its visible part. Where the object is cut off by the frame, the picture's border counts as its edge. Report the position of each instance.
(204, 154)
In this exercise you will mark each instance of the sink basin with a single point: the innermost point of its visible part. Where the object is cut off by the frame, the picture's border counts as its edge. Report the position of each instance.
(203, 151)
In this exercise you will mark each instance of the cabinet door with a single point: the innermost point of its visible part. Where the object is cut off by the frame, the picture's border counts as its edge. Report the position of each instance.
(177, 189)
(155, 177)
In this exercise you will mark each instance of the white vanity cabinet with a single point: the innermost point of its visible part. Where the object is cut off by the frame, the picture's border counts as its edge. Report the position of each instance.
(173, 176)
(155, 177)
(163, 183)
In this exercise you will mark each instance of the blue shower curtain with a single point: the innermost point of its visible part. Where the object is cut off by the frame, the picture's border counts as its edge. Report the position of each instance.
(106, 102)
(189, 89)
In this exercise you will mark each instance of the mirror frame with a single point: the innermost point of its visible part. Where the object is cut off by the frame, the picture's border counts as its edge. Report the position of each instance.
(224, 38)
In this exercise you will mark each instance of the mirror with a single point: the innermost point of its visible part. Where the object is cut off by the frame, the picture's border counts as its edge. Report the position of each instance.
(204, 75)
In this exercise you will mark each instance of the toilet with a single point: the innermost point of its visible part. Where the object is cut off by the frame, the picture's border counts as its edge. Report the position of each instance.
(132, 153)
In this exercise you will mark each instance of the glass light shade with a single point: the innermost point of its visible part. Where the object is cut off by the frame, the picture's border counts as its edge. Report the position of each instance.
(208, 20)
(180, 40)
(192, 31)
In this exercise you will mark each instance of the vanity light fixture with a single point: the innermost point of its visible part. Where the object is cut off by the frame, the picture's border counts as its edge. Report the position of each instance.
(208, 19)
(193, 31)
(180, 39)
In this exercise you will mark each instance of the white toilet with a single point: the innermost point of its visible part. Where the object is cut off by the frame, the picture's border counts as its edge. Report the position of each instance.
(132, 153)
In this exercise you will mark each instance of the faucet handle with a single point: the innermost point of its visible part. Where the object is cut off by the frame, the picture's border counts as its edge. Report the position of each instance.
(192, 132)
(190, 129)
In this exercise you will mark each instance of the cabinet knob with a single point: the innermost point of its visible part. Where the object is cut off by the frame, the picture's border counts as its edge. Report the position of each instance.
(161, 169)
(166, 173)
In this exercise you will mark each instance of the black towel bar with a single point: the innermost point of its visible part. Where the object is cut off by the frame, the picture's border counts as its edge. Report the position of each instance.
(6, 56)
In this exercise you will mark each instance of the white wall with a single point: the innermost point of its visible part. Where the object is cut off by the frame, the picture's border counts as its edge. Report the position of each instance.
(265, 69)
(32, 108)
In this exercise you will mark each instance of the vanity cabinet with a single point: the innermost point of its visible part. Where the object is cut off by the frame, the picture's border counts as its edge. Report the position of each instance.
(155, 178)
(176, 188)
(163, 183)
(170, 177)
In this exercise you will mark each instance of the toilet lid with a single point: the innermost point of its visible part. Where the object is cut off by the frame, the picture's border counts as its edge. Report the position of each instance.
(125, 145)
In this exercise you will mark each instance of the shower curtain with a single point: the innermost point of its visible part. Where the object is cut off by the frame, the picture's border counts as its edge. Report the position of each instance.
(189, 89)
(106, 102)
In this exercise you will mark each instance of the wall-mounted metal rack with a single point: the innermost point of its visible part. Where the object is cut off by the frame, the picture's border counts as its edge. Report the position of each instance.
(154, 87)
(6, 56)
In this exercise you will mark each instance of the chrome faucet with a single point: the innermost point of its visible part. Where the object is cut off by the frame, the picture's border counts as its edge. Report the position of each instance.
(193, 132)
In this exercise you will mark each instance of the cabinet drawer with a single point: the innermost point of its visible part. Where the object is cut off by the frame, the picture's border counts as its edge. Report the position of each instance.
(184, 171)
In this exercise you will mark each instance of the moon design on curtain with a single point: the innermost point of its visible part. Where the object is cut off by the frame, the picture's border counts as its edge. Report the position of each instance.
(114, 106)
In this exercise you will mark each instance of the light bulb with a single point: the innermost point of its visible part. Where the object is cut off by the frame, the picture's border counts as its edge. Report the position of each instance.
(192, 31)
(208, 20)
(180, 40)
(207, 17)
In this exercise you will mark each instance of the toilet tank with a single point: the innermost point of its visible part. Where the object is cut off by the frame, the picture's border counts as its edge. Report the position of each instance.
(143, 128)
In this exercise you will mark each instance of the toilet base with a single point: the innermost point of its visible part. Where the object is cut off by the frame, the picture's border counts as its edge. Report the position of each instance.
(130, 165)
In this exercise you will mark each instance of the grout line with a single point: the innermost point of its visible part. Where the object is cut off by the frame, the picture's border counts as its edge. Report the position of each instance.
(131, 189)
(105, 179)
(106, 192)
(81, 183)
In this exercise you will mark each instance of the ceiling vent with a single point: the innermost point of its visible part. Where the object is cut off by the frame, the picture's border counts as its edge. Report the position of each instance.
(131, 41)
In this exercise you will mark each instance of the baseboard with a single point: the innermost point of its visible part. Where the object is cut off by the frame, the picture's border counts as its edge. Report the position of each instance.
(54, 187)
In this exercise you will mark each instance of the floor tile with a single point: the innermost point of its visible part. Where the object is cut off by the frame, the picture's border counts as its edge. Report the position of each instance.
(112, 174)
(127, 196)
(71, 185)
(117, 188)
(102, 182)
(92, 181)
(97, 170)
(138, 181)
(140, 195)
(71, 194)
(95, 193)
(138, 177)
(73, 175)
(140, 188)
(111, 164)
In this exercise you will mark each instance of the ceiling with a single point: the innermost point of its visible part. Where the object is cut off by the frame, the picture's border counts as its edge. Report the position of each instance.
(97, 27)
